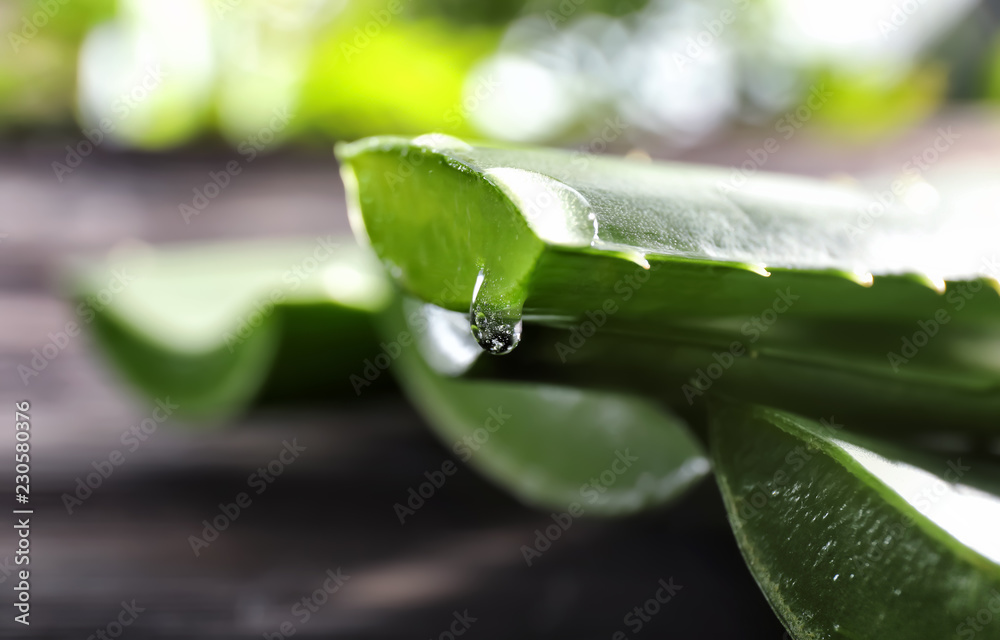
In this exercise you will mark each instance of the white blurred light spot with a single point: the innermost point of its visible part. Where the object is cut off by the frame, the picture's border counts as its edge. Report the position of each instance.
(864, 33)
(672, 83)
(921, 197)
(146, 76)
(527, 101)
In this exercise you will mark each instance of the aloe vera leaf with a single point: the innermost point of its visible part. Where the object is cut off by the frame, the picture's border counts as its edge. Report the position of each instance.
(553, 237)
(849, 537)
(217, 326)
(552, 446)
(555, 232)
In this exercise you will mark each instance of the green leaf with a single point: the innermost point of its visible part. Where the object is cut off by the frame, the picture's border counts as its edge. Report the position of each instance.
(690, 264)
(549, 445)
(524, 215)
(848, 537)
(216, 326)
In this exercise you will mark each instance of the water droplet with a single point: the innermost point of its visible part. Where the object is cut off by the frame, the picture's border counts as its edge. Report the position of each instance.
(496, 326)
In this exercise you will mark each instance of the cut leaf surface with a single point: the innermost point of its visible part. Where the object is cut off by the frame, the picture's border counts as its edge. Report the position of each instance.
(213, 326)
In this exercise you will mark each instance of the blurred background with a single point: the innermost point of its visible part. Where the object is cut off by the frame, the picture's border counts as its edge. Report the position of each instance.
(114, 114)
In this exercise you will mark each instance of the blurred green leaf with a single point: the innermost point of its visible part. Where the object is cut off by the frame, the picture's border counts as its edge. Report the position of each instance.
(217, 326)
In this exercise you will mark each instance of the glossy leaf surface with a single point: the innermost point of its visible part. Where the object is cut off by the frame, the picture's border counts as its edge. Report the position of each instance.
(851, 538)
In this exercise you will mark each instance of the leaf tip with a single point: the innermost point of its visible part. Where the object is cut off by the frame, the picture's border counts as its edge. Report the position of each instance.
(759, 269)
(864, 278)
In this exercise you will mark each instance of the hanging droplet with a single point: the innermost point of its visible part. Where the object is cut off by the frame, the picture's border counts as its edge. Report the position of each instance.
(496, 327)
(495, 333)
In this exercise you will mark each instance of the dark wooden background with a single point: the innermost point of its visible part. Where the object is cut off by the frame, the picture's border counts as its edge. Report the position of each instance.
(333, 508)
